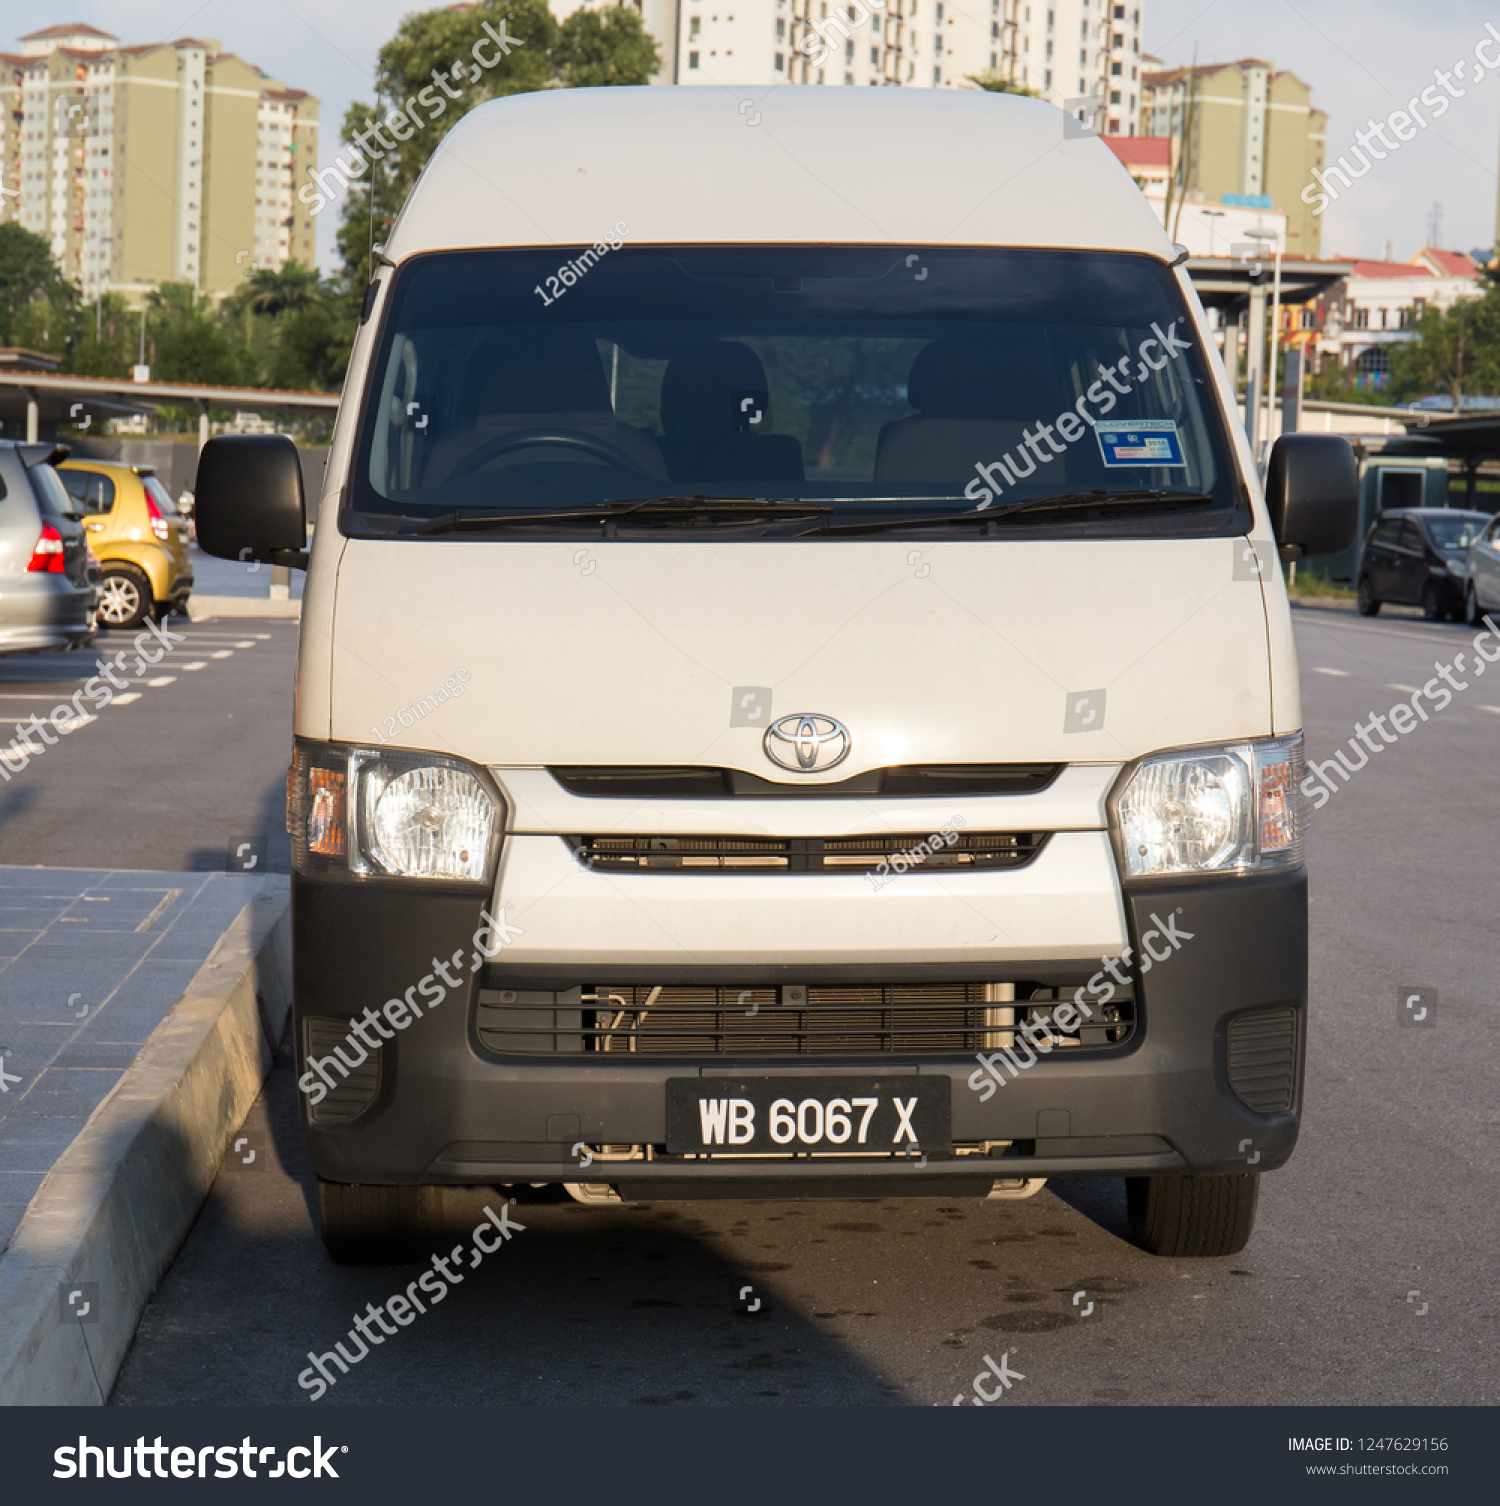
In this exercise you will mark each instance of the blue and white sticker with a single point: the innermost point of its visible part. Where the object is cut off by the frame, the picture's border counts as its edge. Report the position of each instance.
(1148, 441)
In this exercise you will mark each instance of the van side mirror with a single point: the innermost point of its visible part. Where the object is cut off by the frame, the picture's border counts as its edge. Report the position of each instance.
(1312, 493)
(248, 502)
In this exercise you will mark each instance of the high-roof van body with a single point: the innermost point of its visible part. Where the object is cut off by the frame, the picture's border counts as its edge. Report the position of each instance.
(796, 692)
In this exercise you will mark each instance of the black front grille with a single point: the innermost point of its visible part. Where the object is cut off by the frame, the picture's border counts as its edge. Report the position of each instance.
(1262, 1059)
(899, 1019)
(666, 782)
(965, 852)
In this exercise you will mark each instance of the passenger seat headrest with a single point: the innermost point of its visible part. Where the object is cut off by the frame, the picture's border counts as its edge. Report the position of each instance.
(1007, 376)
(702, 384)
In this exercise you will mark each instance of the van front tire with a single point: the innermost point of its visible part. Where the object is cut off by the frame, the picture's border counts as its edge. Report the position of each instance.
(373, 1225)
(1192, 1217)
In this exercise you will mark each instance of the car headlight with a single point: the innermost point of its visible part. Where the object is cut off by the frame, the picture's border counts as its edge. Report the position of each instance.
(398, 815)
(1233, 809)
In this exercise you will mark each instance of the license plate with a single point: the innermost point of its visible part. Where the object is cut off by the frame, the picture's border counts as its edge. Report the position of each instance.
(800, 1115)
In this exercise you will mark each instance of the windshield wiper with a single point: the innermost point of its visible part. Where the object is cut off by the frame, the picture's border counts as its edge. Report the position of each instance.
(605, 512)
(1062, 501)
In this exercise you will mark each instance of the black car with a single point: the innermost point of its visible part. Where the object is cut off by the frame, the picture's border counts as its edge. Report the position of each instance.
(1416, 556)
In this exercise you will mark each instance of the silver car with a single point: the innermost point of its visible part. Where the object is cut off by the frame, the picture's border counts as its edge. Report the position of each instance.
(1482, 567)
(48, 592)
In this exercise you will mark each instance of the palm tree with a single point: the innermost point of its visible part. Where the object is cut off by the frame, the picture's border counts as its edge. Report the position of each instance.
(292, 287)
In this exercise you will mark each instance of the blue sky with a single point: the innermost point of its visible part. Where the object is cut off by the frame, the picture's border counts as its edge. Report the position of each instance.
(1362, 57)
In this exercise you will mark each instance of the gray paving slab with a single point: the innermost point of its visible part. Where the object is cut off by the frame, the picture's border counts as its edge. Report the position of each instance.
(91, 960)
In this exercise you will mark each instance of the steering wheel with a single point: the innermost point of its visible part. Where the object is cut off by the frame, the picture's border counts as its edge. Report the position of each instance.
(525, 439)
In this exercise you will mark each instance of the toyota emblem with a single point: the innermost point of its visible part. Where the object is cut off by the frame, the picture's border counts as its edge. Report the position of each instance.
(807, 742)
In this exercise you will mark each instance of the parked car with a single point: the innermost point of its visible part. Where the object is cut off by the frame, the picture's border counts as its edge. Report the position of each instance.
(1482, 583)
(1418, 556)
(846, 697)
(47, 598)
(141, 539)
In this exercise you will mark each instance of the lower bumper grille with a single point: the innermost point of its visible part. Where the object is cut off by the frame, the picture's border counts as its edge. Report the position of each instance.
(878, 1020)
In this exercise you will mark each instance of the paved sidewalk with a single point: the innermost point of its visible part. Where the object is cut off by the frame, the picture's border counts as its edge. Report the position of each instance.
(91, 961)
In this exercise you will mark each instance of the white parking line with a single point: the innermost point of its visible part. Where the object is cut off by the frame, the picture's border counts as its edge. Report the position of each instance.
(245, 643)
(164, 680)
(1321, 670)
(1495, 709)
(126, 699)
(1409, 689)
(223, 653)
(197, 664)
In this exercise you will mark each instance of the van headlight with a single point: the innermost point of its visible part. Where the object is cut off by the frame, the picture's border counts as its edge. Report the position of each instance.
(1232, 809)
(397, 815)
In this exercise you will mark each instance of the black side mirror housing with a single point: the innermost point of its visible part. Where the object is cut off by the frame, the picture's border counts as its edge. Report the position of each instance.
(248, 500)
(1312, 493)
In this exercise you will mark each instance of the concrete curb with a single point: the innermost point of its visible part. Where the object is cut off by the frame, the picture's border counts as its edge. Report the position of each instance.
(202, 607)
(122, 1197)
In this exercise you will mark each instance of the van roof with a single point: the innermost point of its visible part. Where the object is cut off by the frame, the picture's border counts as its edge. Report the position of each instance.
(685, 165)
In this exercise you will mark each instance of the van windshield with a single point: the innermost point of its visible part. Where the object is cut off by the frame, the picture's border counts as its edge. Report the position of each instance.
(868, 383)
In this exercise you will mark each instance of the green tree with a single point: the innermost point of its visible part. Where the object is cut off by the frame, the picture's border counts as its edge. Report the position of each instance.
(419, 72)
(185, 342)
(28, 274)
(104, 341)
(428, 70)
(292, 286)
(1457, 352)
(992, 83)
(599, 48)
(310, 348)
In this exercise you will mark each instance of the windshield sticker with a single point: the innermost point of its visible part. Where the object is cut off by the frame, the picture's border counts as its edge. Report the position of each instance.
(1149, 441)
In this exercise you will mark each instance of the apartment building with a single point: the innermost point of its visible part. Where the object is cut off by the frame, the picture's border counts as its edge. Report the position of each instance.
(167, 162)
(1254, 142)
(1066, 50)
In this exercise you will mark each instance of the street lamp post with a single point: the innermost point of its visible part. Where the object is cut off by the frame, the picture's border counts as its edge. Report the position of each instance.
(1212, 214)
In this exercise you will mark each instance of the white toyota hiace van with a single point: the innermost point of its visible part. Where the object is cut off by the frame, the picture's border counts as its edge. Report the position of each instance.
(796, 694)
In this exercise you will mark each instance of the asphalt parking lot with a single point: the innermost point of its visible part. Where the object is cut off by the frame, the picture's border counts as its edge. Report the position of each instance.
(186, 764)
(1371, 1278)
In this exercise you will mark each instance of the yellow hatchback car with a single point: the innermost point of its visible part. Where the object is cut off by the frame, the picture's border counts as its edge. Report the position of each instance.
(139, 536)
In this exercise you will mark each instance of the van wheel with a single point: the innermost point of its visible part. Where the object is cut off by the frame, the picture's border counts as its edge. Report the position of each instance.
(1192, 1216)
(371, 1225)
(124, 597)
(1365, 598)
